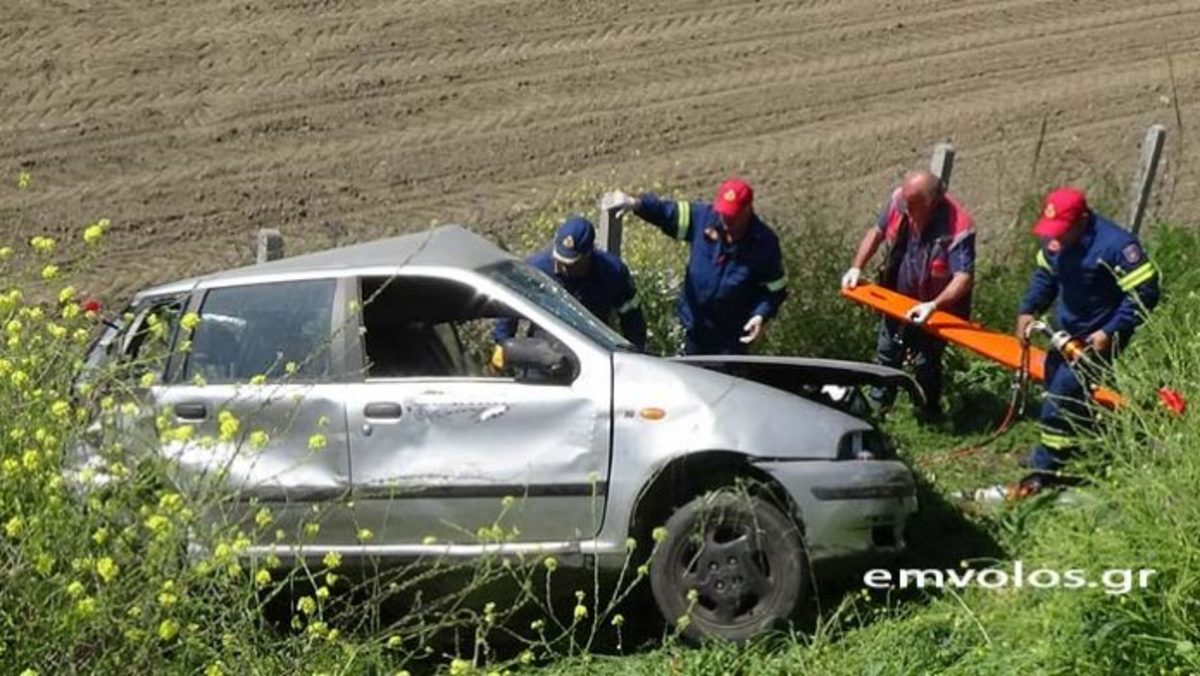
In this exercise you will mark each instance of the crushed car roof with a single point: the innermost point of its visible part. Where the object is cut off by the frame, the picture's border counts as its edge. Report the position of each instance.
(448, 245)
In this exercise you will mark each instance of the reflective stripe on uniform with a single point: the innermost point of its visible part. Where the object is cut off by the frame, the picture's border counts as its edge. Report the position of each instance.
(633, 304)
(777, 284)
(1138, 276)
(1057, 442)
(1042, 262)
(683, 219)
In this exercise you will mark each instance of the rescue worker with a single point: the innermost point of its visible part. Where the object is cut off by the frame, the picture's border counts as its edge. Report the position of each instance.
(1103, 281)
(735, 282)
(931, 258)
(597, 279)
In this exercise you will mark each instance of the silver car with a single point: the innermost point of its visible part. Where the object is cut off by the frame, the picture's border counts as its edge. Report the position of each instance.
(383, 402)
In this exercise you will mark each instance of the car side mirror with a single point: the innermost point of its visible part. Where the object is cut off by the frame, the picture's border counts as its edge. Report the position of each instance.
(537, 360)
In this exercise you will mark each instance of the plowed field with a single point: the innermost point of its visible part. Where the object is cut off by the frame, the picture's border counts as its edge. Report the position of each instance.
(191, 124)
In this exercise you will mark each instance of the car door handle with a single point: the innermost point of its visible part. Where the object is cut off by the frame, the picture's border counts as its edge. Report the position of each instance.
(191, 410)
(383, 410)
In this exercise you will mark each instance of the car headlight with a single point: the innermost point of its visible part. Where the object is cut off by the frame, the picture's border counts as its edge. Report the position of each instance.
(865, 445)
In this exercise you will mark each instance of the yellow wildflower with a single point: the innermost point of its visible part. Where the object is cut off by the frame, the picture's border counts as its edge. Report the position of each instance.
(171, 502)
(107, 569)
(168, 629)
(158, 524)
(86, 605)
(14, 528)
(228, 425)
(42, 245)
(95, 232)
(259, 439)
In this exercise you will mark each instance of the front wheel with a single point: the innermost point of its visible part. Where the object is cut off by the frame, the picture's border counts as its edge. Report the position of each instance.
(733, 564)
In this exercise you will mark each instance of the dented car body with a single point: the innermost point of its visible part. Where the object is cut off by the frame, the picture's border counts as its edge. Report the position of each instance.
(368, 369)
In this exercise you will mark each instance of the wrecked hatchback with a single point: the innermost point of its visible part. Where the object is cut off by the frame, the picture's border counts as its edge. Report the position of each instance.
(370, 371)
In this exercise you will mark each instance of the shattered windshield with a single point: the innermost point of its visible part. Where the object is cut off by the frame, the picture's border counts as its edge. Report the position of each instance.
(549, 295)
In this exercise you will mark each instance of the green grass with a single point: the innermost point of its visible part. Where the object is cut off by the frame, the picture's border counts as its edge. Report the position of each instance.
(99, 586)
(1140, 511)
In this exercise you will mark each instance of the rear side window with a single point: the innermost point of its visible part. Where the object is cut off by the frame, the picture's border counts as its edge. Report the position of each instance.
(263, 330)
(139, 340)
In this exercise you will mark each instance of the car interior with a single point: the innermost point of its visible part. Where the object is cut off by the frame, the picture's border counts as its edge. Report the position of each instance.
(426, 327)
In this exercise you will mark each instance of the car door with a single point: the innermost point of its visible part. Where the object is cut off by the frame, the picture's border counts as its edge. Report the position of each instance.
(438, 440)
(260, 389)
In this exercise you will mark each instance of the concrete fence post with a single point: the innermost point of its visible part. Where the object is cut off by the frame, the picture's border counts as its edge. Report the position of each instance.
(1143, 180)
(268, 245)
(608, 237)
(942, 163)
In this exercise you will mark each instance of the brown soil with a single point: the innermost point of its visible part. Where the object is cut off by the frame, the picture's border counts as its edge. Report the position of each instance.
(191, 124)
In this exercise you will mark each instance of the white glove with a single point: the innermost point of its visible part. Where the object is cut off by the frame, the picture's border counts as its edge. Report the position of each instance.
(921, 312)
(618, 200)
(851, 279)
(753, 329)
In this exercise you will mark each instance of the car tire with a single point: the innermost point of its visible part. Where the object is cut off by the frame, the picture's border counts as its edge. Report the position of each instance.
(743, 557)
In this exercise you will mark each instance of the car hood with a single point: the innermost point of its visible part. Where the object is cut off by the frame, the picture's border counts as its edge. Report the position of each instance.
(805, 376)
(686, 408)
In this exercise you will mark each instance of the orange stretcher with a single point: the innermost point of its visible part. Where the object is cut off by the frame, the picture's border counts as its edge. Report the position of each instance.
(1001, 348)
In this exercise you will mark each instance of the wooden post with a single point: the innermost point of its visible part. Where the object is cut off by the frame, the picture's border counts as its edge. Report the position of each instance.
(942, 163)
(1143, 180)
(608, 233)
(268, 245)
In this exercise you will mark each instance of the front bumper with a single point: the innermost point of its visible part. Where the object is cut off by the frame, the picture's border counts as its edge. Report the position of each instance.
(849, 508)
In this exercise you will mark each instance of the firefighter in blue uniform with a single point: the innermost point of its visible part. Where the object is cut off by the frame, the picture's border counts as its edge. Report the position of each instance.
(735, 280)
(1104, 283)
(597, 279)
(931, 258)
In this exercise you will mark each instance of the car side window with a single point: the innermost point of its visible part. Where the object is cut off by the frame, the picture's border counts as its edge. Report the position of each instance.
(427, 327)
(139, 341)
(272, 330)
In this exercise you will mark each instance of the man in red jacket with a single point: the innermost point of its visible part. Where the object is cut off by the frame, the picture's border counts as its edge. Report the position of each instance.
(931, 258)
